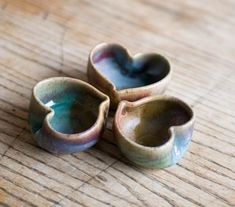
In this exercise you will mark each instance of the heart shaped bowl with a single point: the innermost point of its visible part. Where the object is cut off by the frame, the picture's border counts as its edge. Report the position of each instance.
(112, 70)
(67, 115)
(154, 132)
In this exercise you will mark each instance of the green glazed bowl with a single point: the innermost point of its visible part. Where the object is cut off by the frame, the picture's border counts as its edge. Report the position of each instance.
(154, 132)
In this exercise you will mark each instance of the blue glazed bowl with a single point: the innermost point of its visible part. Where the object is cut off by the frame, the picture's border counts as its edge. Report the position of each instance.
(67, 115)
(113, 71)
(154, 132)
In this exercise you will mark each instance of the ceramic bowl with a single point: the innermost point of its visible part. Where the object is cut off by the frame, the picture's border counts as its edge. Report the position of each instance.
(154, 132)
(67, 115)
(112, 70)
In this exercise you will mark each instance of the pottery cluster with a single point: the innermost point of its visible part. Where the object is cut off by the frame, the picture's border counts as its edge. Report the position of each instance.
(67, 115)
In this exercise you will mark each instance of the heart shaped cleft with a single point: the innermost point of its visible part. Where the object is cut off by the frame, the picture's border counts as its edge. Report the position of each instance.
(121, 77)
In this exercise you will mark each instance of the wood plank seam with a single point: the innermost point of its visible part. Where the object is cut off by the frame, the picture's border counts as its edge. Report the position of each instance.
(10, 145)
(85, 182)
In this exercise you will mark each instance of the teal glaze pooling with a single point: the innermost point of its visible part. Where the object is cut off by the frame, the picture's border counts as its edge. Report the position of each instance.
(67, 115)
(75, 109)
(73, 113)
(124, 72)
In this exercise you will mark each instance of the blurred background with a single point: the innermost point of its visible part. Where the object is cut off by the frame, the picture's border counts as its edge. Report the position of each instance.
(41, 39)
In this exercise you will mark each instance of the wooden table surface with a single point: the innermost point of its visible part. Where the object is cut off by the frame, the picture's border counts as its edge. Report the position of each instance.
(41, 39)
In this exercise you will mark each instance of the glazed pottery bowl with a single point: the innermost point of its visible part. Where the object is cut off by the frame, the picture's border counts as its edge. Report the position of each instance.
(112, 70)
(67, 115)
(154, 132)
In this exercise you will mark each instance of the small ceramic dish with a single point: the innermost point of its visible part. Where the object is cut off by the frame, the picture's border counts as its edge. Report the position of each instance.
(154, 132)
(67, 115)
(112, 70)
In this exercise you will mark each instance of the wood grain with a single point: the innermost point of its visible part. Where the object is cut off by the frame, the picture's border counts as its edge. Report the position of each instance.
(41, 39)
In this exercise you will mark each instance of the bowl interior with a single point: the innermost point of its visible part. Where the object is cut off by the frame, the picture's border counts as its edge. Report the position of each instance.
(124, 72)
(149, 124)
(76, 107)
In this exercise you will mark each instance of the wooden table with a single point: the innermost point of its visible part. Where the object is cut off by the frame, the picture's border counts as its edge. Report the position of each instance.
(41, 39)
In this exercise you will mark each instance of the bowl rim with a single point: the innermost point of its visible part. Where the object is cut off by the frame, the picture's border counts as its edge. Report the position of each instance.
(137, 55)
(74, 136)
(171, 129)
